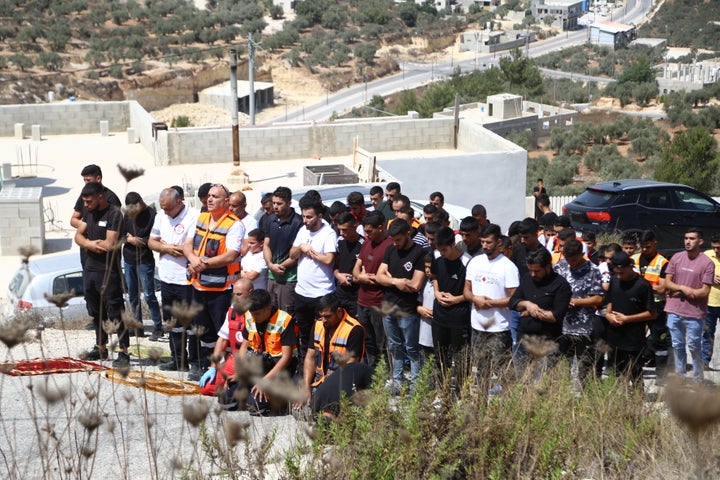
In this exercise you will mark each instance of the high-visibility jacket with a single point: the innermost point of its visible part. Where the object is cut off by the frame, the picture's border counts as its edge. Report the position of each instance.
(236, 324)
(652, 271)
(211, 243)
(271, 341)
(338, 343)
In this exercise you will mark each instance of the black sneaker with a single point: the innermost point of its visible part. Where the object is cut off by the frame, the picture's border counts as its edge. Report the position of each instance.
(156, 336)
(89, 326)
(194, 374)
(172, 367)
(97, 354)
(140, 332)
(122, 360)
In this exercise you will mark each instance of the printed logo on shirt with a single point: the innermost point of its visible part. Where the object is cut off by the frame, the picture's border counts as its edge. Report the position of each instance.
(239, 337)
(179, 229)
(408, 266)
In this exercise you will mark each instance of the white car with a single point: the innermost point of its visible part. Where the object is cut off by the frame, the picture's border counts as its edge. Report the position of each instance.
(49, 274)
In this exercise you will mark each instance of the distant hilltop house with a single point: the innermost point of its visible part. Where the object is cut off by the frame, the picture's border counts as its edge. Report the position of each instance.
(674, 77)
(614, 34)
(489, 41)
(567, 11)
(219, 95)
(505, 113)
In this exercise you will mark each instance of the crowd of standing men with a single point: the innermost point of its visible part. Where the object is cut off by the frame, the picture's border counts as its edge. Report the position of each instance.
(328, 289)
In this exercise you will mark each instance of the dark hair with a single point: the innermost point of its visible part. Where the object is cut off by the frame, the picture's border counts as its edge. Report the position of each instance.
(630, 238)
(572, 247)
(407, 210)
(543, 200)
(258, 299)
(328, 302)
(700, 233)
(355, 198)
(92, 188)
(398, 226)
(506, 241)
(310, 203)
(491, 229)
(284, 193)
(647, 236)
(528, 225)
(469, 224)
(91, 169)
(588, 236)
(337, 208)
(439, 195)
(393, 186)
(257, 234)
(479, 210)
(539, 179)
(445, 237)
(133, 198)
(567, 234)
(715, 238)
(402, 199)
(429, 256)
(612, 247)
(313, 194)
(204, 190)
(374, 219)
(563, 221)
(442, 216)
(431, 228)
(179, 190)
(266, 198)
(375, 190)
(430, 209)
(346, 217)
(513, 228)
(540, 256)
(547, 220)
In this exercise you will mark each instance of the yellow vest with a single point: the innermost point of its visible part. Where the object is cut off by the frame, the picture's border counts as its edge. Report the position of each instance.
(652, 271)
(211, 243)
(271, 341)
(338, 343)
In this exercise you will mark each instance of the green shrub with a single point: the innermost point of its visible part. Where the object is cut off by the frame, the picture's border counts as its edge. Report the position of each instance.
(181, 121)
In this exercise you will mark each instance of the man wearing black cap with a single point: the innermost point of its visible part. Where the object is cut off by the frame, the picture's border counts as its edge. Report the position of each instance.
(630, 306)
(139, 262)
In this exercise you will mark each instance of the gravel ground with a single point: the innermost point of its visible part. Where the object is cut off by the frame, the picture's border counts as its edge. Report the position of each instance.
(47, 425)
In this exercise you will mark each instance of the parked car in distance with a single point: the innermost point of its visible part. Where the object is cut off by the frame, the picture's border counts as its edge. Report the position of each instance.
(49, 274)
(332, 193)
(53, 274)
(668, 209)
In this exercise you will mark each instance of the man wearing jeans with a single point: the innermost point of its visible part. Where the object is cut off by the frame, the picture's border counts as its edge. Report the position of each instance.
(688, 278)
(708, 340)
(139, 262)
(402, 272)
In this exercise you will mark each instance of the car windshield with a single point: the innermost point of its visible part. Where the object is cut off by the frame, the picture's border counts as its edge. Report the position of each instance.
(595, 198)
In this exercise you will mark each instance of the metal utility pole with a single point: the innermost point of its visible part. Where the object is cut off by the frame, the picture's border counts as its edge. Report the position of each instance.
(251, 77)
(234, 108)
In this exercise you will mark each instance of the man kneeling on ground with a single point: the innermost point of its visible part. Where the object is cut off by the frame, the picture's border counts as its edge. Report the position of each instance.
(333, 363)
(270, 336)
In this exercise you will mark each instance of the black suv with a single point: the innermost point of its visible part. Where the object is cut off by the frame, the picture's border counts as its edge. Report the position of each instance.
(668, 209)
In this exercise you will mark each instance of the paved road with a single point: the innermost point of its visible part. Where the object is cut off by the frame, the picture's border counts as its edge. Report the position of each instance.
(414, 74)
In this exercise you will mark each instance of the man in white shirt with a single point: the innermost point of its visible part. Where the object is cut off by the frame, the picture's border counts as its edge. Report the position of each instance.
(254, 267)
(490, 281)
(314, 249)
(172, 224)
(238, 204)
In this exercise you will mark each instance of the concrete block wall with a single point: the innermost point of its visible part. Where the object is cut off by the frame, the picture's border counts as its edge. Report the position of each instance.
(22, 219)
(305, 140)
(65, 118)
(141, 121)
(473, 137)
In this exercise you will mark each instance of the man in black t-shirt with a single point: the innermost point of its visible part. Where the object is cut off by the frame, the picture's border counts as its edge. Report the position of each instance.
(402, 272)
(630, 306)
(139, 262)
(542, 300)
(99, 234)
(451, 312)
(348, 248)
